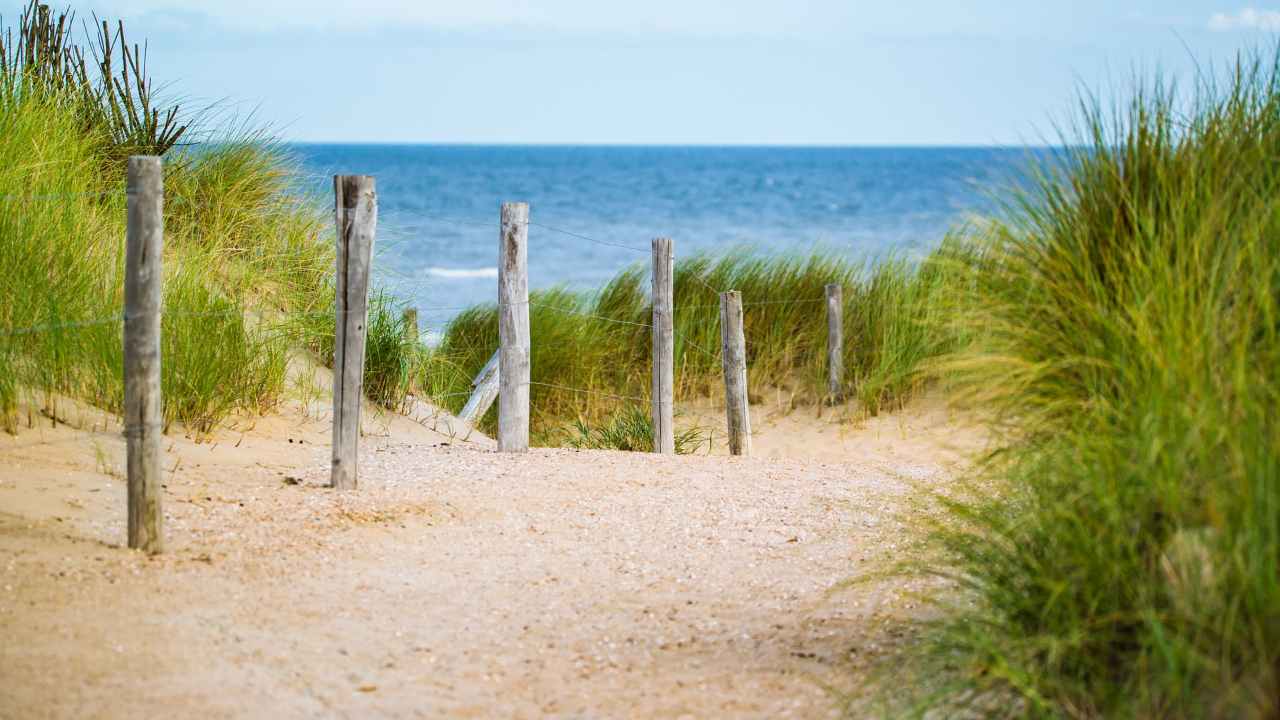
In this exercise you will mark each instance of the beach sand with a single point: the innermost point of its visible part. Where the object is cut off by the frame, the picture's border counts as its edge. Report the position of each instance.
(459, 582)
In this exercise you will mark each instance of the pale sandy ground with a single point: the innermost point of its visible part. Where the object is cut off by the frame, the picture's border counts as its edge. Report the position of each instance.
(458, 582)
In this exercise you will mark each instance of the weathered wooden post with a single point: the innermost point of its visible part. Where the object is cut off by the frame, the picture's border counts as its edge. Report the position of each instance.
(143, 409)
(734, 352)
(484, 390)
(356, 214)
(513, 329)
(410, 322)
(664, 434)
(835, 343)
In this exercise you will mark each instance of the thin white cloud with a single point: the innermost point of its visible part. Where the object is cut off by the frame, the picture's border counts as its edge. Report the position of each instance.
(714, 16)
(1246, 19)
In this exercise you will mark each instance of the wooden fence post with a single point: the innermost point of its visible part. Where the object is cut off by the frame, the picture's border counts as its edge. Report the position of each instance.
(734, 352)
(513, 329)
(835, 343)
(664, 434)
(356, 213)
(143, 409)
(410, 318)
(484, 390)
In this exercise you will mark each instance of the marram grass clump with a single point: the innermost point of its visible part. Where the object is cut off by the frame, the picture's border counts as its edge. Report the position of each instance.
(241, 252)
(629, 430)
(1120, 557)
(393, 355)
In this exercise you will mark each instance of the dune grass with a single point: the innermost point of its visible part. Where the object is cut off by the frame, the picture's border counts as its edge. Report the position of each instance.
(591, 351)
(241, 251)
(630, 430)
(61, 257)
(1120, 556)
(393, 358)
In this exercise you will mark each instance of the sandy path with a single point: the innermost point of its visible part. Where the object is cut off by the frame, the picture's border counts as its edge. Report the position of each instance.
(456, 582)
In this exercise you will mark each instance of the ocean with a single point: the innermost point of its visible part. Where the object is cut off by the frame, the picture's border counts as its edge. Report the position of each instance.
(593, 210)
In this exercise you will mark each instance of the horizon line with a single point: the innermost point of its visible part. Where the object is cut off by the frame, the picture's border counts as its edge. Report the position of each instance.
(797, 146)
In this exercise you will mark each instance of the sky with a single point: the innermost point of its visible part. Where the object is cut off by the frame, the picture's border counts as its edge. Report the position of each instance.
(806, 72)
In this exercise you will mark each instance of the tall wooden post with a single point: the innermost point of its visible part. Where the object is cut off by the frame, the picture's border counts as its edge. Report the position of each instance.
(734, 352)
(356, 214)
(664, 433)
(143, 408)
(513, 329)
(410, 318)
(835, 343)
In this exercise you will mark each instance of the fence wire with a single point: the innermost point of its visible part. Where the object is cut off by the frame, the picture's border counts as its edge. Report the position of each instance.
(60, 195)
(585, 391)
(439, 217)
(753, 304)
(590, 239)
(569, 311)
(49, 327)
(284, 317)
(693, 344)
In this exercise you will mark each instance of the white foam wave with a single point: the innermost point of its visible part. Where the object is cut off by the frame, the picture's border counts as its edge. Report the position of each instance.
(462, 273)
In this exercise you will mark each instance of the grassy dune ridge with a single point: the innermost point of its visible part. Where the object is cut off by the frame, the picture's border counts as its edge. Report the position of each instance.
(1120, 556)
(248, 262)
(61, 257)
(600, 341)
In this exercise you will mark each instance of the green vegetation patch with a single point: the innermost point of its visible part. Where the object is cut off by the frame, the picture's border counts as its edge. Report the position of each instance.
(241, 251)
(588, 349)
(630, 430)
(1120, 557)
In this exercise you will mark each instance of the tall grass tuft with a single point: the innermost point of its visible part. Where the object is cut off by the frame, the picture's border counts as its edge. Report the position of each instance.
(102, 81)
(629, 430)
(1121, 556)
(241, 251)
(392, 358)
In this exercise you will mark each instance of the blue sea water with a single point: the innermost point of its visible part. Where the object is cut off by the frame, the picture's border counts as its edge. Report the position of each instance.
(438, 206)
